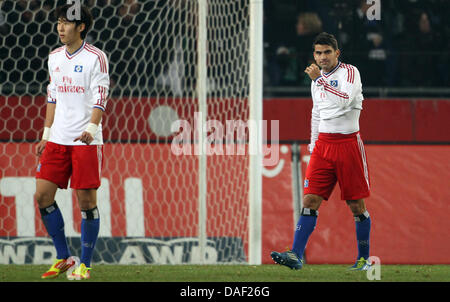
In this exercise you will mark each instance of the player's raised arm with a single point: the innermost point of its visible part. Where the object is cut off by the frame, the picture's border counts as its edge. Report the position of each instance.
(350, 87)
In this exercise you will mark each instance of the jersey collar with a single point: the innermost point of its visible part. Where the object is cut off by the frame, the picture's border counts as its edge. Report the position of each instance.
(327, 74)
(70, 56)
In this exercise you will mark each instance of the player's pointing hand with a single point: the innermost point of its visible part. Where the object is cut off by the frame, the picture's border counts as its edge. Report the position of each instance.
(85, 137)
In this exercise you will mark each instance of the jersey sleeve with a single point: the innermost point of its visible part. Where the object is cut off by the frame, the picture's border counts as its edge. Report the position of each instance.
(51, 87)
(100, 82)
(351, 86)
(315, 120)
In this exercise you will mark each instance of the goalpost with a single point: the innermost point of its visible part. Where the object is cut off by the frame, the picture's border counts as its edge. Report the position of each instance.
(255, 133)
(256, 137)
(170, 62)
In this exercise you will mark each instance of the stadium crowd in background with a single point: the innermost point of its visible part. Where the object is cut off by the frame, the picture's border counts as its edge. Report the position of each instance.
(408, 47)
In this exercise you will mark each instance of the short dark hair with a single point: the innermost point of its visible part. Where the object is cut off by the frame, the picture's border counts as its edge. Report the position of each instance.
(85, 17)
(325, 39)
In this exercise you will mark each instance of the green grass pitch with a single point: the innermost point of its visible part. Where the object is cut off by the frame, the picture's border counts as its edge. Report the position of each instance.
(233, 273)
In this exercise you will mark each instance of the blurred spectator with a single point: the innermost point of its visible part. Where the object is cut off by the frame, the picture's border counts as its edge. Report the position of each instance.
(425, 45)
(366, 45)
(308, 26)
(292, 59)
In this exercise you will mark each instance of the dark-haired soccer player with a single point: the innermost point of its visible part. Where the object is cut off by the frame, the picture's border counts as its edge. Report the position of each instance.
(337, 151)
(72, 143)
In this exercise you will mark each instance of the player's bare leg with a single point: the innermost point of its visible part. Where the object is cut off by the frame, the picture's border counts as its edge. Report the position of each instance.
(54, 223)
(87, 199)
(357, 207)
(362, 224)
(45, 193)
(312, 201)
(90, 223)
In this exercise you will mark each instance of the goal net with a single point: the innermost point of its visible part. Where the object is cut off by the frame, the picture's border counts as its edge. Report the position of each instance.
(177, 172)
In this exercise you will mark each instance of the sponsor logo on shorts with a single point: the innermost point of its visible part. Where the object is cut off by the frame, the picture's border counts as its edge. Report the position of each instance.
(306, 183)
(39, 167)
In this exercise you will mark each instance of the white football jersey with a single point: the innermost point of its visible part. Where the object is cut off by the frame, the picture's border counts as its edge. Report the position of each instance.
(79, 82)
(337, 102)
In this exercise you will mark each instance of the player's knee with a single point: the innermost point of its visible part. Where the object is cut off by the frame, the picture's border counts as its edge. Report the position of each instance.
(38, 197)
(43, 199)
(357, 207)
(87, 199)
(86, 204)
(312, 201)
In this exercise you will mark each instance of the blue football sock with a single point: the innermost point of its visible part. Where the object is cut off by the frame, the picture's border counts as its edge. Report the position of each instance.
(363, 223)
(90, 225)
(54, 223)
(305, 227)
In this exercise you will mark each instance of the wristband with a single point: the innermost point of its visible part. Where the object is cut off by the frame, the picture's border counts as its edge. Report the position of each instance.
(46, 134)
(92, 129)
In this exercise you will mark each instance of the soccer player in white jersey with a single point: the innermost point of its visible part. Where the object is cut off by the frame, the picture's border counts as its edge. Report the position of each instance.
(72, 143)
(337, 151)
